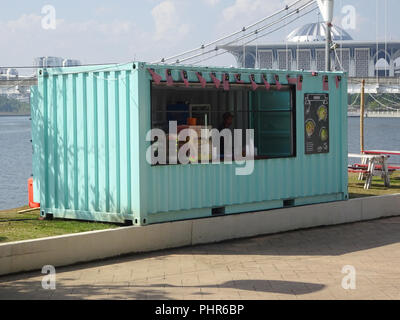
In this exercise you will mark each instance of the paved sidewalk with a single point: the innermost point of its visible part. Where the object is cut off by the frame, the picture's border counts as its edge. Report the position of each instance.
(304, 264)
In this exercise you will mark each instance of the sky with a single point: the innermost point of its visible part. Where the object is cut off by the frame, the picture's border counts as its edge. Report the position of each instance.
(99, 31)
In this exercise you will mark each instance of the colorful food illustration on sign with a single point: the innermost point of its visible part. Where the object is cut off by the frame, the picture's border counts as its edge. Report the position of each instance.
(322, 113)
(323, 134)
(310, 127)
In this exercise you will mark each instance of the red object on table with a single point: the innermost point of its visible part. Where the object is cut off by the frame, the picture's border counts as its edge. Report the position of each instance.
(357, 171)
(32, 204)
(192, 121)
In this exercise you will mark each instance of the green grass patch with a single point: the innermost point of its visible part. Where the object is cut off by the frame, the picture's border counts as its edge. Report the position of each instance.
(356, 187)
(27, 226)
(15, 226)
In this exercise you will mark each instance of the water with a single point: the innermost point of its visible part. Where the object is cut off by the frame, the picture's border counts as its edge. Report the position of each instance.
(15, 161)
(379, 134)
(16, 151)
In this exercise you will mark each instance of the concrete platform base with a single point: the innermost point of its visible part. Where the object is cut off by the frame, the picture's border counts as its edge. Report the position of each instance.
(83, 247)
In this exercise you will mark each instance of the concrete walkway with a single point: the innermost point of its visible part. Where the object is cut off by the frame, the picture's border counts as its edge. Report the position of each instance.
(304, 264)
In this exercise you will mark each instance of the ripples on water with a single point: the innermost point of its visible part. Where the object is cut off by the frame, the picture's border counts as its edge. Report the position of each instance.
(16, 151)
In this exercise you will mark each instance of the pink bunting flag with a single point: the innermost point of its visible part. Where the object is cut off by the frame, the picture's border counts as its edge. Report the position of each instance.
(201, 79)
(299, 82)
(226, 81)
(185, 77)
(156, 77)
(325, 81)
(266, 83)
(278, 84)
(238, 78)
(254, 85)
(216, 81)
(168, 75)
(291, 80)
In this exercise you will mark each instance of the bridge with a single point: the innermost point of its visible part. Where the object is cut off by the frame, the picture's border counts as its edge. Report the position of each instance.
(376, 114)
(375, 85)
(20, 81)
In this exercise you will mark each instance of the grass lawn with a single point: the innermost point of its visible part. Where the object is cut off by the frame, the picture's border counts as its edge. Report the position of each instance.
(356, 188)
(29, 227)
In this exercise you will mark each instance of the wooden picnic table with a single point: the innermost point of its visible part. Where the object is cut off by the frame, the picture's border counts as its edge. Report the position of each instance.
(372, 161)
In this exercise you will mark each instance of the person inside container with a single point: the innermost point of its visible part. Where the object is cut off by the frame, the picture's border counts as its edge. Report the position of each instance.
(227, 122)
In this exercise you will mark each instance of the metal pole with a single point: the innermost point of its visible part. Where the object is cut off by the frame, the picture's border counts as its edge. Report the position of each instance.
(362, 105)
(328, 46)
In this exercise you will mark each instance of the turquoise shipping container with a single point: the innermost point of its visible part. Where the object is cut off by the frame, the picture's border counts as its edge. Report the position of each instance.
(90, 123)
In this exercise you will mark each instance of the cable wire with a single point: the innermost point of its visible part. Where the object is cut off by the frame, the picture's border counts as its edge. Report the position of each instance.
(260, 35)
(243, 30)
(254, 33)
(228, 36)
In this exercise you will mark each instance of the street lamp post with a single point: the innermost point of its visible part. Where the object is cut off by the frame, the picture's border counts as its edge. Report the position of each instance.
(328, 46)
(326, 7)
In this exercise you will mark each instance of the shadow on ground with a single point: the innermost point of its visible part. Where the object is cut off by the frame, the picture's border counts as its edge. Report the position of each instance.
(32, 290)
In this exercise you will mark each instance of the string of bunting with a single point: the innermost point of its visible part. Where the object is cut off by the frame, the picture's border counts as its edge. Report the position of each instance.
(298, 80)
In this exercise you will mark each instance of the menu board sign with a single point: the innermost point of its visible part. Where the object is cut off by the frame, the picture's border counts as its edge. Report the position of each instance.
(316, 123)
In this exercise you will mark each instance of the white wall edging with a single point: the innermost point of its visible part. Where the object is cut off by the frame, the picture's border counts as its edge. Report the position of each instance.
(89, 246)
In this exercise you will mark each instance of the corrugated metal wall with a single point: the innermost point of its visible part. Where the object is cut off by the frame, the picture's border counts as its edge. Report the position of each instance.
(180, 187)
(90, 146)
(86, 138)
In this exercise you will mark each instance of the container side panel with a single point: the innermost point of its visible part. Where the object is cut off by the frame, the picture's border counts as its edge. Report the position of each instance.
(83, 139)
(36, 125)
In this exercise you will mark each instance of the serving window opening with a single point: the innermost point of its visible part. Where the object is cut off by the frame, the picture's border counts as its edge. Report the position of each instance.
(269, 113)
